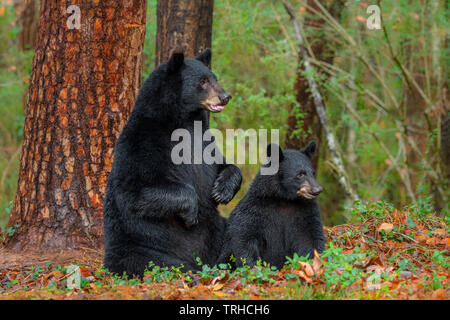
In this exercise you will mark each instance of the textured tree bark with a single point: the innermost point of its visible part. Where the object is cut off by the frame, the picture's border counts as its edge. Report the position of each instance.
(445, 142)
(27, 18)
(82, 88)
(185, 23)
(335, 155)
(311, 127)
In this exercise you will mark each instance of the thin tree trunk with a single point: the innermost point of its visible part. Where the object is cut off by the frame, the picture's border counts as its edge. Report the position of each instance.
(336, 158)
(445, 142)
(310, 126)
(82, 88)
(27, 16)
(27, 19)
(184, 23)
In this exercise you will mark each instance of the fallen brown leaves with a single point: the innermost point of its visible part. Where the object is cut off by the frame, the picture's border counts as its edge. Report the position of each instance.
(392, 257)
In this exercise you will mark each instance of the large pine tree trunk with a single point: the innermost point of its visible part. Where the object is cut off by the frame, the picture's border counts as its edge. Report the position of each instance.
(82, 88)
(311, 127)
(185, 23)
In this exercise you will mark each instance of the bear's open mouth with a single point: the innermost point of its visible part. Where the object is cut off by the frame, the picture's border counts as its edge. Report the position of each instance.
(213, 107)
(216, 108)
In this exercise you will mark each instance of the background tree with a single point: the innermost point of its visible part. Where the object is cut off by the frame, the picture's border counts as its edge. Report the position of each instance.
(82, 87)
(445, 142)
(27, 16)
(301, 131)
(183, 22)
(27, 19)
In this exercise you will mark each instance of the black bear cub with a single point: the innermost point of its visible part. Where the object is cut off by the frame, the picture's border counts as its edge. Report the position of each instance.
(279, 214)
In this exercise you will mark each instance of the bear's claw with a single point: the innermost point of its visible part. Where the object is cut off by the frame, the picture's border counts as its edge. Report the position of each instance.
(221, 194)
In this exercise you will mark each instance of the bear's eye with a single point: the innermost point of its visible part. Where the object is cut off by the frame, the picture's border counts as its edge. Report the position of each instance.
(301, 174)
(204, 82)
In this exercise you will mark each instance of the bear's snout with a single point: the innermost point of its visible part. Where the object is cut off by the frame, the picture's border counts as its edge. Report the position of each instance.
(316, 191)
(225, 98)
(309, 191)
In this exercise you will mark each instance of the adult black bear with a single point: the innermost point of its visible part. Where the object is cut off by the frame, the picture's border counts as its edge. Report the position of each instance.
(156, 210)
(279, 214)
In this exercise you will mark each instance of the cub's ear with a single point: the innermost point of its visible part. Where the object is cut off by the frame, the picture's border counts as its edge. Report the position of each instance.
(272, 150)
(205, 57)
(176, 60)
(310, 149)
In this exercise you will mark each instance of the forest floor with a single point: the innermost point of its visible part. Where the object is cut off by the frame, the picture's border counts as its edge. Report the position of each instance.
(389, 254)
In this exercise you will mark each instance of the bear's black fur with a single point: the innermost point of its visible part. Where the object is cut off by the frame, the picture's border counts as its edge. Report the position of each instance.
(155, 210)
(279, 215)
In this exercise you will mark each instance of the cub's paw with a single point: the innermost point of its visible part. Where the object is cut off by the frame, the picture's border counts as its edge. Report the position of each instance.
(227, 184)
(189, 213)
(221, 193)
(191, 220)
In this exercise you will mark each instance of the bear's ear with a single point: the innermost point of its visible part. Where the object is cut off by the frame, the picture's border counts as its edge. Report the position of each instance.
(272, 150)
(176, 60)
(310, 149)
(205, 57)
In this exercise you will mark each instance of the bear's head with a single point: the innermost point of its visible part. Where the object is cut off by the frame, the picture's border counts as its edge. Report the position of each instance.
(296, 174)
(199, 87)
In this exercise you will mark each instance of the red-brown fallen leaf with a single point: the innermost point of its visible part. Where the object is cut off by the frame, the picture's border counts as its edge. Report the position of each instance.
(400, 217)
(255, 292)
(317, 265)
(432, 241)
(420, 227)
(440, 232)
(302, 275)
(217, 286)
(421, 238)
(418, 285)
(12, 275)
(318, 281)
(375, 269)
(439, 294)
(214, 281)
(445, 274)
(93, 287)
(222, 294)
(387, 227)
(360, 18)
(85, 273)
(390, 244)
(376, 260)
(53, 274)
(232, 285)
(307, 268)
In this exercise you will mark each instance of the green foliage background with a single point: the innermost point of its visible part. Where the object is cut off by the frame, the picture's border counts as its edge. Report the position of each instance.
(255, 58)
